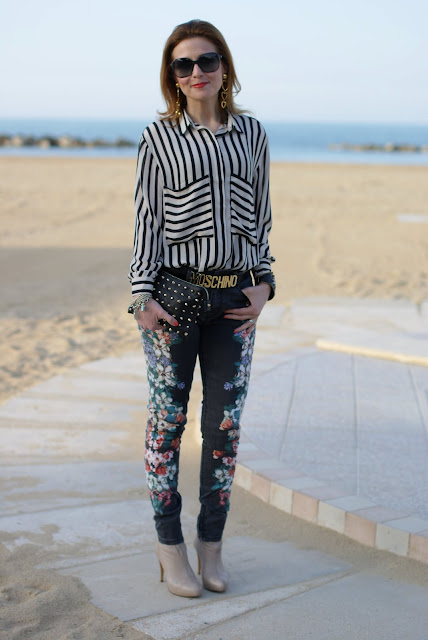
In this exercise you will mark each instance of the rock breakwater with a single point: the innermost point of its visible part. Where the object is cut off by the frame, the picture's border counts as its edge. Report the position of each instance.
(388, 147)
(62, 142)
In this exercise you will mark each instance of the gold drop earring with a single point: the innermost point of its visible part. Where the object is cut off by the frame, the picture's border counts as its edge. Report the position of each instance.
(177, 102)
(224, 90)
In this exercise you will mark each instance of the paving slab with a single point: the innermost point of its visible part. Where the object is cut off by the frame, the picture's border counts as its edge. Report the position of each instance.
(27, 488)
(191, 622)
(350, 421)
(54, 410)
(81, 534)
(357, 607)
(129, 364)
(55, 443)
(411, 350)
(390, 329)
(111, 386)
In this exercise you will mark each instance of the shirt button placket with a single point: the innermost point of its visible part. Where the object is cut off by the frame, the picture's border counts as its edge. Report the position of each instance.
(223, 188)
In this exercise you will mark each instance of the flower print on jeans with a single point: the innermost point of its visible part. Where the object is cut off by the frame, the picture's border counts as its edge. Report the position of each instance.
(166, 418)
(224, 473)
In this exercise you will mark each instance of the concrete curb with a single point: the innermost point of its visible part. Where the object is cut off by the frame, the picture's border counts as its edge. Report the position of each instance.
(354, 516)
(329, 345)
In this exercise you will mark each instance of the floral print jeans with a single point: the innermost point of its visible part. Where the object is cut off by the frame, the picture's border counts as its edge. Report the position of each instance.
(225, 360)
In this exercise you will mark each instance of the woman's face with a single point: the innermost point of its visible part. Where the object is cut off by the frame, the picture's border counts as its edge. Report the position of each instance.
(199, 86)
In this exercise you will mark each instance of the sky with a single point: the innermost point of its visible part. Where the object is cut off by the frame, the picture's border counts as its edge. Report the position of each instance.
(308, 60)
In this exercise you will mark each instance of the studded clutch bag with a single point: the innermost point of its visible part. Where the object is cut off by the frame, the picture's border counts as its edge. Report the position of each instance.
(181, 299)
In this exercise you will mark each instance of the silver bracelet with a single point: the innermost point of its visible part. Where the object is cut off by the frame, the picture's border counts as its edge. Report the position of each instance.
(139, 303)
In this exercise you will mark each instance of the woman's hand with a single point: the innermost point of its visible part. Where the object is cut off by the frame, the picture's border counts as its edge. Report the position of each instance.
(153, 312)
(257, 296)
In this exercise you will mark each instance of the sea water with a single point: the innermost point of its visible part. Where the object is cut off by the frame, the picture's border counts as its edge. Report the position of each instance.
(289, 141)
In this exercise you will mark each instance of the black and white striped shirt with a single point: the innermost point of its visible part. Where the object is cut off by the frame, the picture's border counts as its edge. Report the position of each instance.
(201, 199)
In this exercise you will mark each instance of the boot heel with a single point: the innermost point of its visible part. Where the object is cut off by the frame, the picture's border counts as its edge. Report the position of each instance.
(199, 563)
(161, 572)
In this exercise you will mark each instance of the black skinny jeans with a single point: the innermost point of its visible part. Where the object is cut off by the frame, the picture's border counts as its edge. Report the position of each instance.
(225, 360)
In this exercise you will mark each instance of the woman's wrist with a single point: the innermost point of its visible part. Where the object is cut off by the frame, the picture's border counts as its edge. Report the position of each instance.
(139, 303)
(265, 286)
(269, 280)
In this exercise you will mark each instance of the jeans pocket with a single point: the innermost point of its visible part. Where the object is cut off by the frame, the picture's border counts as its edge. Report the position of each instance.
(235, 299)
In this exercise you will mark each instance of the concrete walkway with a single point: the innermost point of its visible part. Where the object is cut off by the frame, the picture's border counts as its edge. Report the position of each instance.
(347, 449)
(350, 431)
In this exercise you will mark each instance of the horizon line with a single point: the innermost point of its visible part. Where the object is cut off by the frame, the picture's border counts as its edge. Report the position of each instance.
(264, 120)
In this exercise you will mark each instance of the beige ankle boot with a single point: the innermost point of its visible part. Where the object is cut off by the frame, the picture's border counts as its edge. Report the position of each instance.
(214, 576)
(179, 575)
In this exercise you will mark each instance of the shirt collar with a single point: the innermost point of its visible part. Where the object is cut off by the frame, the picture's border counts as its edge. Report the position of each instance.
(185, 122)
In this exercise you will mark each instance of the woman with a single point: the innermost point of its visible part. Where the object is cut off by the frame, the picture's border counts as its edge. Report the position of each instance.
(202, 215)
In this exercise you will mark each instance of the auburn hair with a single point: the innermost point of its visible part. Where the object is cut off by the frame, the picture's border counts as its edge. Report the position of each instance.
(195, 29)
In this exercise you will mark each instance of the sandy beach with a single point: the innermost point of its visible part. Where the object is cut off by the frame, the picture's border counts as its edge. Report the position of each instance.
(66, 230)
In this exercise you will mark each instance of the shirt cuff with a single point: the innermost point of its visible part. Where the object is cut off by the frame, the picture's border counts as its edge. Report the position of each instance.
(139, 287)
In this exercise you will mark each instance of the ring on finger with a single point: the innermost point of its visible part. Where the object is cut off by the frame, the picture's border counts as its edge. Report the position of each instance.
(252, 321)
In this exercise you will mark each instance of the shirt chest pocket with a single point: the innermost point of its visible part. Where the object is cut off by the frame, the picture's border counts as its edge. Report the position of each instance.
(243, 217)
(188, 212)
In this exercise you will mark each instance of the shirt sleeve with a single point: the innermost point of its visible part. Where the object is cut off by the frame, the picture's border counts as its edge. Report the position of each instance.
(262, 271)
(148, 248)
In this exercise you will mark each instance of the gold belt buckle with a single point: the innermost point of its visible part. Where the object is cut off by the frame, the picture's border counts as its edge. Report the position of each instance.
(214, 282)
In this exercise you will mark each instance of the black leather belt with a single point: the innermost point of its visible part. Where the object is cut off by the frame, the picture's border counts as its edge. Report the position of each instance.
(216, 279)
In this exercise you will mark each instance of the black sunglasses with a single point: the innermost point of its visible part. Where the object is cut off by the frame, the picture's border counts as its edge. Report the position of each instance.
(207, 62)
